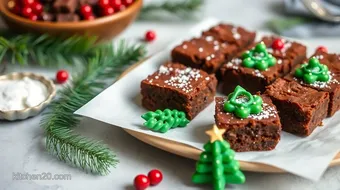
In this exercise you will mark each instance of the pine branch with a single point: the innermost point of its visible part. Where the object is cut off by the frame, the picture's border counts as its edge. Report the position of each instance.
(184, 9)
(44, 49)
(59, 121)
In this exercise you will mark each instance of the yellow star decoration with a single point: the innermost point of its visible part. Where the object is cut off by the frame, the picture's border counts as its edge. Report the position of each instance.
(215, 134)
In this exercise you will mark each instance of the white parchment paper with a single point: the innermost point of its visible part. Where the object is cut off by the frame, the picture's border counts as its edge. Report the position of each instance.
(120, 106)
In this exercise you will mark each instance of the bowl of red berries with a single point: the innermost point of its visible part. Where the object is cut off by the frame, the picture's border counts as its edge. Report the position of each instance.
(102, 18)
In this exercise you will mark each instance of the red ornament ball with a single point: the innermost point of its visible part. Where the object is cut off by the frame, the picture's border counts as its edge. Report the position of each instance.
(150, 36)
(278, 44)
(141, 182)
(103, 3)
(86, 10)
(27, 11)
(37, 8)
(155, 177)
(107, 11)
(61, 76)
(33, 17)
(322, 49)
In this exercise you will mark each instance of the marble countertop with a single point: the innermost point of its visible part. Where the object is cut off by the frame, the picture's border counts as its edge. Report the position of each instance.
(22, 143)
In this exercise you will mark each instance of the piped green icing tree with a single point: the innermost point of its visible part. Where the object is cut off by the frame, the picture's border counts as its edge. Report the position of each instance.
(216, 164)
(162, 121)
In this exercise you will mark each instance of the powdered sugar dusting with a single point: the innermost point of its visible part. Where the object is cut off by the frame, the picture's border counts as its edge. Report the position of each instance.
(234, 63)
(236, 35)
(267, 112)
(319, 84)
(258, 73)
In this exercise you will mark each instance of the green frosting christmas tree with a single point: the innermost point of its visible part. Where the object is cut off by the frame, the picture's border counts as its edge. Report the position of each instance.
(216, 164)
(162, 121)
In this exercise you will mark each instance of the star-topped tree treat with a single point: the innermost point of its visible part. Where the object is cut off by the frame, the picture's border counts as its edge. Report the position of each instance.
(261, 64)
(216, 164)
(312, 71)
(258, 58)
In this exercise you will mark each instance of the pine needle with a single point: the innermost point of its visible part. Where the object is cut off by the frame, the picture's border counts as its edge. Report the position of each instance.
(183, 9)
(59, 121)
(43, 49)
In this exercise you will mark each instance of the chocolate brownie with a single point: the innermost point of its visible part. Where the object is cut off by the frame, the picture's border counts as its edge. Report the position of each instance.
(176, 86)
(332, 86)
(237, 38)
(256, 133)
(254, 80)
(202, 53)
(301, 109)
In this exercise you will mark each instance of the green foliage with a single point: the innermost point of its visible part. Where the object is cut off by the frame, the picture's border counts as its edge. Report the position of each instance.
(162, 121)
(217, 166)
(59, 121)
(184, 9)
(44, 49)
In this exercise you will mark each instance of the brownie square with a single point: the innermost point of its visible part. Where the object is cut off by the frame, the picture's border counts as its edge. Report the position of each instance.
(253, 80)
(202, 53)
(301, 109)
(176, 86)
(332, 86)
(233, 36)
(256, 133)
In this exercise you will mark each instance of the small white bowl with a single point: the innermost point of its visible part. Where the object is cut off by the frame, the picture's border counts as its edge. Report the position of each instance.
(32, 111)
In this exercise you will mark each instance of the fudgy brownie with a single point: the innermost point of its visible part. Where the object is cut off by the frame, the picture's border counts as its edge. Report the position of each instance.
(332, 86)
(202, 53)
(176, 86)
(301, 109)
(234, 73)
(233, 36)
(258, 132)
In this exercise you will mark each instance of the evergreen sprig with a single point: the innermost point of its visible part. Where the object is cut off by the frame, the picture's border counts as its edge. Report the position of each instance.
(182, 9)
(59, 121)
(44, 49)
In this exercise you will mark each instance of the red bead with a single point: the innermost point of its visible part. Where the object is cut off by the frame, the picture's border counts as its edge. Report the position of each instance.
(103, 3)
(150, 36)
(33, 17)
(127, 2)
(116, 4)
(27, 2)
(278, 44)
(322, 49)
(37, 8)
(61, 76)
(86, 10)
(106, 11)
(155, 177)
(89, 17)
(26, 12)
(141, 182)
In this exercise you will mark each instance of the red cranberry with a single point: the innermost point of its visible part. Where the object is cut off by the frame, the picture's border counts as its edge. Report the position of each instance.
(89, 17)
(37, 8)
(155, 177)
(103, 3)
(141, 182)
(86, 10)
(278, 44)
(127, 2)
(26, 11)
(322, 49)
(106, 11)
(33, 17)
(150, 36)
(61, 76)
(27, 2)
(116, 4)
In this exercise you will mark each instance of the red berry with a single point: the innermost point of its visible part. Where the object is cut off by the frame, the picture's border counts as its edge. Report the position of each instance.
(116, 4)
(155, 177)
(103, 3)
(89, 17)
(106, 11)
(150, 36)
(141, 182)
(27, 2)
(33, 17)
(322, 49)
(86, 10)
(127, 2)
(61, 76)
(37, 8)
(278, 44)
(122, 8)
(26, 12)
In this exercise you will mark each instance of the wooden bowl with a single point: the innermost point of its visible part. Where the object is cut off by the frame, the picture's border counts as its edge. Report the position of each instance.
(105, 28)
